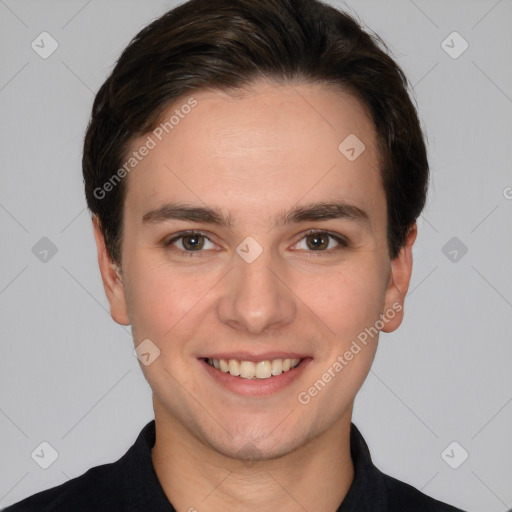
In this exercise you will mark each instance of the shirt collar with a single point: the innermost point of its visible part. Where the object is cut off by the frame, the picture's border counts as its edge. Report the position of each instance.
(143, 491)
(142, 488)
(367, 492)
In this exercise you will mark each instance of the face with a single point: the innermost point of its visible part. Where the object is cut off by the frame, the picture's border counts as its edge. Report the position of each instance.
(253, 239)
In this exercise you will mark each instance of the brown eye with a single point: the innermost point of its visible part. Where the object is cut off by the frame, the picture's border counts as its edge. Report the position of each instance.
(190, 242)
(321, 241)
(317, 241)
(193, 242)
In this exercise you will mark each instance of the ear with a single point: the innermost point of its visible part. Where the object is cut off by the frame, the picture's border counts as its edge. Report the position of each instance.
(111, 277)
(399, 279)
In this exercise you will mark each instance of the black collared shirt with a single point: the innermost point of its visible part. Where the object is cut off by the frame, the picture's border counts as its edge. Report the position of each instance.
(131, 484)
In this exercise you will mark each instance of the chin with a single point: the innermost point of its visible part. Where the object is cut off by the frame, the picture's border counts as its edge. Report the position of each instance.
(261, 439)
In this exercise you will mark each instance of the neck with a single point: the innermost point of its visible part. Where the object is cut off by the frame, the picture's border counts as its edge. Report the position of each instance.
(195, 477)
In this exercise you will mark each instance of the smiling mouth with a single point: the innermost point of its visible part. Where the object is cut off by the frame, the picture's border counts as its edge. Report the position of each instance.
(254, 370)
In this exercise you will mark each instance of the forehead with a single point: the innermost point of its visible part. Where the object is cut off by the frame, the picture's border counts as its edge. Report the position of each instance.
(272, 145)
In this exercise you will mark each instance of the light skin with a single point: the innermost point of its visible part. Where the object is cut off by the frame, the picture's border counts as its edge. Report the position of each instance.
(253, 158)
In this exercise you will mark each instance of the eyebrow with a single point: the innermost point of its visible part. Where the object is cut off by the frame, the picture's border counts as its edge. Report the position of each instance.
(304, 213)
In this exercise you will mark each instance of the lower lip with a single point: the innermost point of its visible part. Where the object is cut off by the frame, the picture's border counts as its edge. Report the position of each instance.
(256, 387)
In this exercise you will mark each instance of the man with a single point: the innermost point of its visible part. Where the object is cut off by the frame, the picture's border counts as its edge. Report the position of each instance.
(255, 171)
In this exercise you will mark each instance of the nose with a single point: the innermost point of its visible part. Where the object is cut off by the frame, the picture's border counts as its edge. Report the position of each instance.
(256, 297)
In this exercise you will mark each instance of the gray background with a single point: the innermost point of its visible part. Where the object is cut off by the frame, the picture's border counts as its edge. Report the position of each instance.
(67, 371)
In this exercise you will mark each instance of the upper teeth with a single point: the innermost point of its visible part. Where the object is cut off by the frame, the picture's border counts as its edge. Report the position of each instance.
(250, 370)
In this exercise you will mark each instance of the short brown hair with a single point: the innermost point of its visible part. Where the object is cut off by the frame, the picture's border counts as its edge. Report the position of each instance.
(227, 45)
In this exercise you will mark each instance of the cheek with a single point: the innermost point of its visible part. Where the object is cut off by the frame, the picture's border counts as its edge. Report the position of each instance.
(163, 301)
(347, 300)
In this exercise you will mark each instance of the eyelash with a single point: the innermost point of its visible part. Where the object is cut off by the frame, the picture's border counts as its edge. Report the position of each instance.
(342, 241)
